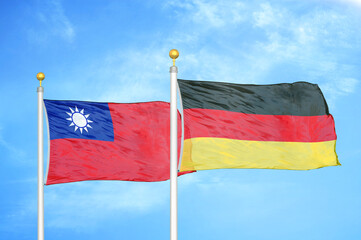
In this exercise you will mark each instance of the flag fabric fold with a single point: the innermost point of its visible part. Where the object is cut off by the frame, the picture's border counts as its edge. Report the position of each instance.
(108, 141)
(279, 126)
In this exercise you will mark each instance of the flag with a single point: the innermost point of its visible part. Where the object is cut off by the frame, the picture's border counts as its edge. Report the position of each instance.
(279, 126)
(108, 141)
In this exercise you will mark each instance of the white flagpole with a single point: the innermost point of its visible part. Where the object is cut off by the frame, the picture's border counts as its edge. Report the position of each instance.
(173, 148)
(40, 76)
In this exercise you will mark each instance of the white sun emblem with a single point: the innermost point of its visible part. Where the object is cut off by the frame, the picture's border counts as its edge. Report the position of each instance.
(79, 120)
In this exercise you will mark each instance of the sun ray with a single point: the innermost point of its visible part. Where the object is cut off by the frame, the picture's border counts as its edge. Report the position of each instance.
(79, 119)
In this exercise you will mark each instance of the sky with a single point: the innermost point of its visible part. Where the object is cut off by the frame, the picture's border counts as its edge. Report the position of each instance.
(117, 51)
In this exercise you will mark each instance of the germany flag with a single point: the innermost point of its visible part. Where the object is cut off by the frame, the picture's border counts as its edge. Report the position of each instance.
(279, 126)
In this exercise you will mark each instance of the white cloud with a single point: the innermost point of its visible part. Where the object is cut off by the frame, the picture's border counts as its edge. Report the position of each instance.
(214, 46)
(348, 85)
(267, 16)
(338, 87)
(307, 41)
(352, 2)
(134, 75)
(84, 205)
(211, 13)
(11, 149)
(52, 22)
(312, 43)
(216, 186)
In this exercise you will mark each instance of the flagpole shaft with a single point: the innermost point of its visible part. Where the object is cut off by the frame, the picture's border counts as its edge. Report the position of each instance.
(40, 91)
(173, 155)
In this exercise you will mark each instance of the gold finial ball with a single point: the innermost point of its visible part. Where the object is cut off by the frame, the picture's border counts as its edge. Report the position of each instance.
(40, 76)
(173, 53)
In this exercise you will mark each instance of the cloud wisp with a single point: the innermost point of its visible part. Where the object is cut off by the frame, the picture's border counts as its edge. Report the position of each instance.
(235, 42)
(52, 22)
(84, 205)
(80, 205)
(11, 150)
(270, 43)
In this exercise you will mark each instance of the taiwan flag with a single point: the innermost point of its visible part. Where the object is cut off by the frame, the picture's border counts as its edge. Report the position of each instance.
(108, 141)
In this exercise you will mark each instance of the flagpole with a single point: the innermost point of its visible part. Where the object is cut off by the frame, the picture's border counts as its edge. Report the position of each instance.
(40, 76)
(173, 148)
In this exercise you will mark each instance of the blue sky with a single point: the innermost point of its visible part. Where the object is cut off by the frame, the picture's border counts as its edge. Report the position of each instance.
(118, 51)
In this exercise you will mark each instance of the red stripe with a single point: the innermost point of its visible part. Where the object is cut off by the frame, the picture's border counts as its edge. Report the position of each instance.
(233, 125)
(73, 160)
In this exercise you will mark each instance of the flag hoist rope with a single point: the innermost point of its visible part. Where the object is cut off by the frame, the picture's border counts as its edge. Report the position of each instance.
(40, 76)
(173, 147)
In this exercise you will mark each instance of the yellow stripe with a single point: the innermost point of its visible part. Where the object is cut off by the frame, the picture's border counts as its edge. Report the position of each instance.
(216, 153)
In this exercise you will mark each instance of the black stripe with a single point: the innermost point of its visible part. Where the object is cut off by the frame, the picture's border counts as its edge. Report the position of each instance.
(299, 99)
